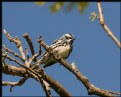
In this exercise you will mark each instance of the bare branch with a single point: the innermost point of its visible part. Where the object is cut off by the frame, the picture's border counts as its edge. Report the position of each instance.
(29, 41)
(13, 84)
(12, 52)
(54, 84)
(34, 57)
(11, 59)
(17, 71)
(18, 44)
(13, 70)
(112, 92)
(27, 54)
(46, 88)
(8, 83)
(105, 27)
(92, 90)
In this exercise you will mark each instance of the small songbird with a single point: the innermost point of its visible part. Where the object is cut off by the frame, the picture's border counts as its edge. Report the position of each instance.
(63, 46)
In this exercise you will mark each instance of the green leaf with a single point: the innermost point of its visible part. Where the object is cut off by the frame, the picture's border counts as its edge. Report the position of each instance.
(56, 7)
(92, 17)
(40, 3)
(81, 6)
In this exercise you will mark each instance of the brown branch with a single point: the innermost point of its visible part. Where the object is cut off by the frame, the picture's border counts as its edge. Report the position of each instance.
(18, 71)
(29, 41)
(34, 57)
(45, 86)
(60, 90)
(12, 52)
(18, 44)
(92, 90)
(8, 83)
(54, 84)
(13, 70)
(13, 84)
(27, 54)
(112, 92)
(11, 59)
(105, 27)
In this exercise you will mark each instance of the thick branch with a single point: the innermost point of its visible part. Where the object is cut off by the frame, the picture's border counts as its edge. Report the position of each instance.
(46, 87)
(18, 71)
(13, 70)
(105, 27)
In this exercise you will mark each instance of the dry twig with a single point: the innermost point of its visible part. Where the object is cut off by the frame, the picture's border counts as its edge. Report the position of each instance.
(13, 84)
(12, 52)
(18, 44)
(105, 27)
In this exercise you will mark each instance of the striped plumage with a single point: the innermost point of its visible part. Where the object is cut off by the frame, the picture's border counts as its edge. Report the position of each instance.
(64, 47)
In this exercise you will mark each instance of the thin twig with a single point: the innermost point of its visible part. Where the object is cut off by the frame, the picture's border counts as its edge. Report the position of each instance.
(12, 52)
(112, 92)
(18, 44)
(11, 59)
(13, 84)
(33, 57)
(105, 27)
(29, 41)
(27, 54)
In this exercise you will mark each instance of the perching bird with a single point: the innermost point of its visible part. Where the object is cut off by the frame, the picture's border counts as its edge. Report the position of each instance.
(63, 46)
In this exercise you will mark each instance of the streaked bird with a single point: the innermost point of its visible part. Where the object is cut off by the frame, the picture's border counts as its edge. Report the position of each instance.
(63, 46)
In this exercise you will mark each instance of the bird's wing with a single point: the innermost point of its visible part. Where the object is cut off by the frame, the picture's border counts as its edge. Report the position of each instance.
(49, 64)
(55, 41)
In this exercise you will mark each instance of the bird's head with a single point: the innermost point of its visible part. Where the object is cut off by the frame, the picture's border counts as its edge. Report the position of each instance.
(69, 38)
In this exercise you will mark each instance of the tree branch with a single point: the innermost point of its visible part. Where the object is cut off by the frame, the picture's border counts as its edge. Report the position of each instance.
(18, 71)
(29, 41)
(18, 44)
(12, 52)
(92, 90)
(105, 27)
(13, 84)
(34, 56)
(11, 59)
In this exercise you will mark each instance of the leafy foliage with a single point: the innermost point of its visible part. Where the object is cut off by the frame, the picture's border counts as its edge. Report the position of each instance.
(81, 6)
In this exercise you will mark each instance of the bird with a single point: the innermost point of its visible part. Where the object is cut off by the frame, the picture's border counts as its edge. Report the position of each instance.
(63, 45)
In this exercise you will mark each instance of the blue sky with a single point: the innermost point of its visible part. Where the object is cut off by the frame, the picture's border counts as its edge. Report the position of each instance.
(95, 54)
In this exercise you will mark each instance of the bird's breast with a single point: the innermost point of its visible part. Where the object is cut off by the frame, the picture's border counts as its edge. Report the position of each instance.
(63, 51)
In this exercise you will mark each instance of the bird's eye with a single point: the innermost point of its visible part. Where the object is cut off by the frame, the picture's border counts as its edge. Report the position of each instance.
(68, 37)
